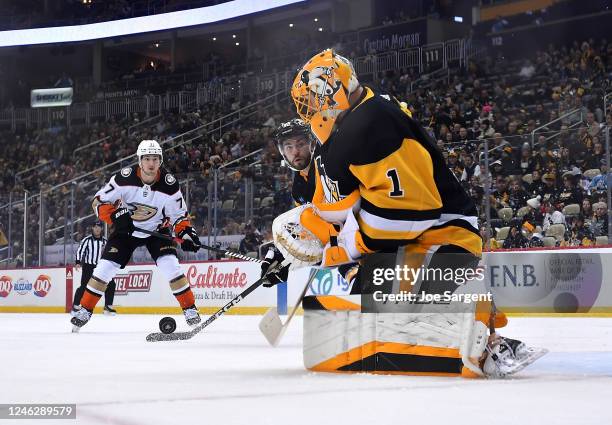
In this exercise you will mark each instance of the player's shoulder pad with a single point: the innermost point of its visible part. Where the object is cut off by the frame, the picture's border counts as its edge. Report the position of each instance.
(373, 130)
(127, 177)
(167, 183)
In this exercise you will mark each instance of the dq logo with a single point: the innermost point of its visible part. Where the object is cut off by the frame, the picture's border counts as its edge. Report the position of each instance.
(6, 286)
(42, 286)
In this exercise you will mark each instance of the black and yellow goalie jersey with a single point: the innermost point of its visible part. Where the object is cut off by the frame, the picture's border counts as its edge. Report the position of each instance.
(379, 154)
(303, 186)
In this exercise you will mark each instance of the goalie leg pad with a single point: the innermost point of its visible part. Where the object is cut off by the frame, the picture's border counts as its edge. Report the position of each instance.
(347, 340)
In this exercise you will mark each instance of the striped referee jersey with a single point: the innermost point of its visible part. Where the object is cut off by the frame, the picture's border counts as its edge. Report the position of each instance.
(90, 250)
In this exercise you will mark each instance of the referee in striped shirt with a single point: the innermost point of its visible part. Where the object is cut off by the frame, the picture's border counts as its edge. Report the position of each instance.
(88, 255)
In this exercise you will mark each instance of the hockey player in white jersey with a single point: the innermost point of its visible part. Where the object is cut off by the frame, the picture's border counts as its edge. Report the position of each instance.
(150, 197)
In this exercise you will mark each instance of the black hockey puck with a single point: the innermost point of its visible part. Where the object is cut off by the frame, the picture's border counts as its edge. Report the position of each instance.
(167, 325)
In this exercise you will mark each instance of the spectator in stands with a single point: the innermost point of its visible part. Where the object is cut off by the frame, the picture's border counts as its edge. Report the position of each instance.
(593, 128)
(510, 165)
(552, 216)
(501, 196)
(251, 240)
(595, 157)
(586, 209)
(599, 223)
(515, 238)
(470, 168)
(496, 169)
(549, 191)
(571, 193)
(517, 195)
(534, 240)
(580, 234)
(535, 213)
(526, 161)
(599, 182)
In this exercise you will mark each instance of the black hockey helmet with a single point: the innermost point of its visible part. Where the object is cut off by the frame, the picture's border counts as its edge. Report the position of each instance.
(298, 132)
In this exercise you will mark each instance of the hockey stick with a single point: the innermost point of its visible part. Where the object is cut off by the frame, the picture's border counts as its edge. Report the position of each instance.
(158, 336)
(270, 324)
(221, 251)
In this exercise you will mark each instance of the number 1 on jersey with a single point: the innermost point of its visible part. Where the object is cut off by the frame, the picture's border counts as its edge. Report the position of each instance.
(395, 181)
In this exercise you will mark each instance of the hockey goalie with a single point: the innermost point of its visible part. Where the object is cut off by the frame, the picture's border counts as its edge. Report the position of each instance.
(385, 200)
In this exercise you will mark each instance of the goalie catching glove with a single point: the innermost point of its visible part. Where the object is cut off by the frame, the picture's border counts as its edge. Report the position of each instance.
(294, 241)
(191, 241)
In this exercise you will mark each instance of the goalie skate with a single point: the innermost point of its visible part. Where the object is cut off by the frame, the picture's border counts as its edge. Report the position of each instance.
(508, 356)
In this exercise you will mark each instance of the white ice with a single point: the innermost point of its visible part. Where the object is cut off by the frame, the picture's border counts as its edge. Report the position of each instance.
(229, 375)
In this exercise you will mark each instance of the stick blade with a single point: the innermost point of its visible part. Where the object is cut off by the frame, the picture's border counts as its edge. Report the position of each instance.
(177, 336)
(271, 326)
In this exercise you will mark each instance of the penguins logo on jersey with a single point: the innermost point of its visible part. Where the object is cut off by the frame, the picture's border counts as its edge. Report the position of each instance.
(141, 212)
(330, 187)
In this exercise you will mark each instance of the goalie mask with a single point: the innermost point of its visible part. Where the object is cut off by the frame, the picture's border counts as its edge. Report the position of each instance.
(321, 91)
(149, 147)
(295, 143)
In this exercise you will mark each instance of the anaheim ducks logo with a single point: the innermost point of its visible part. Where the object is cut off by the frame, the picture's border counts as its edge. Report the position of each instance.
(142, 212)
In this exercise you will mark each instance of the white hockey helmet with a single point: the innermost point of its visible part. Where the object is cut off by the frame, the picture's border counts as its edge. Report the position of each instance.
(149, 147)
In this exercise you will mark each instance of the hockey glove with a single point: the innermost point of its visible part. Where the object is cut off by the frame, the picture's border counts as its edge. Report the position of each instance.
(122, 221)
(191, 241)
(273, 255)
(276, 277)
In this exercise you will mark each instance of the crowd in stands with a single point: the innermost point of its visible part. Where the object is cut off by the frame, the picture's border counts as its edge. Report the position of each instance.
(533, 180)
(54, 156)
(535, 185)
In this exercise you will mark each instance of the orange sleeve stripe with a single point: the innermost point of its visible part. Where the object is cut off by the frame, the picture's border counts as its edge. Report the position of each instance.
(105, 211)
(182, 225)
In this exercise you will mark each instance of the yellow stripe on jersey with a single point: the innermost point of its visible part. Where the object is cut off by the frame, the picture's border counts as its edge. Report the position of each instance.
(402, 181)
(459, 236)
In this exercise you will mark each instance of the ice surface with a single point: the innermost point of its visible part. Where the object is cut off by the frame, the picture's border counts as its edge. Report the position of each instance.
(229, 375)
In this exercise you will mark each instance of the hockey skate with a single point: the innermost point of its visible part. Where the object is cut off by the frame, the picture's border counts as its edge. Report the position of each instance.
(74, 310)
(508, 356)
(192, 316)
(109, 310)
(79, 319)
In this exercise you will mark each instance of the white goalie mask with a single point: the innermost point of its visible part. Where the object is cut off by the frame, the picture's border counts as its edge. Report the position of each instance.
(149, 147)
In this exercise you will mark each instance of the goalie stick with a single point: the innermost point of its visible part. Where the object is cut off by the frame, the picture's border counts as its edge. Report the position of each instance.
(221, 251)
(158, 336)
(270, 324)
